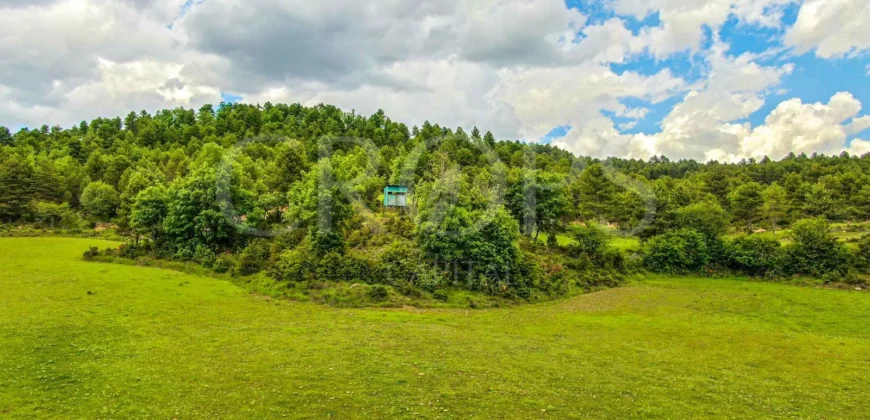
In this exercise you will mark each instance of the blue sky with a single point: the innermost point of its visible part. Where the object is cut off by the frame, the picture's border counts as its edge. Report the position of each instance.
(184, 9)
(229, 97)
(813, 79)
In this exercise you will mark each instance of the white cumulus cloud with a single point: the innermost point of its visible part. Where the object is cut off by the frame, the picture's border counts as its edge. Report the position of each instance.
(832, 27)
(516, 67)
(803, 128)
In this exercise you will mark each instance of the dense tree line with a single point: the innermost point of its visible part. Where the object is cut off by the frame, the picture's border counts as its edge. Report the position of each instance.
(206, 185)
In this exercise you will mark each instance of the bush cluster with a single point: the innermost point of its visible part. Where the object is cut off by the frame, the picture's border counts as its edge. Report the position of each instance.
(399, 265)
(591, 249)
(813, 252)
(756, 255)
(681, 251)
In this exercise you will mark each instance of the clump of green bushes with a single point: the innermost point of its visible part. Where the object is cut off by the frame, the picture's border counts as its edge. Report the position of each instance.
(756, 255)
(813, 252)
(591, 249)
(400, 265)
(681, 251)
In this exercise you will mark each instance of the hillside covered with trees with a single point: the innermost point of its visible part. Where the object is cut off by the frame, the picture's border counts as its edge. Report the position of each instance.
(297, 192)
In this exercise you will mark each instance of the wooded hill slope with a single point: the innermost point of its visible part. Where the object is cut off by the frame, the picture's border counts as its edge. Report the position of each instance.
(297, 191)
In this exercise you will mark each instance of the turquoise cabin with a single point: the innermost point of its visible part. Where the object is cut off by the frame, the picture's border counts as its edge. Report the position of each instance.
(395, 196)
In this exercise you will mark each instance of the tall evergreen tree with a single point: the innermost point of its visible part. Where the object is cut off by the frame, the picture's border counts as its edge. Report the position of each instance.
(594, 193)
(775, 206)
(16, 188)
(746, 201)
(5, 136)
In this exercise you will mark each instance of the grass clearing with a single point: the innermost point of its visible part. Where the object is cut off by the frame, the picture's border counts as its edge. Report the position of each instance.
(624, 243)
(561, 239)
(627, 244)
(847, 232)
(90, 340)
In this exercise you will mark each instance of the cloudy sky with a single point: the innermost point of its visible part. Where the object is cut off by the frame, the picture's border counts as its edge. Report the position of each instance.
(703, 79)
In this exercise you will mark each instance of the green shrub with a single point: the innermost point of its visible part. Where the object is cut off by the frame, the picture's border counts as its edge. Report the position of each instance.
(589, 240)
(403, 263)
(613, 259)
(428, 279)
(815, 251)
(600, 278)
(100, 200)
(863, 253)
(379, 293)
(360, 236)
(400, 226)
(487, 239)
(680, 251)
(91, 253)
(541, 271)
(440, 295)
(134, 251)
(552, 241)
(400, 263)
(357, 269)
(326, 241)
(847, 277)
(205, 256)
(110, 252)
(708, 218)
(590, 249)
(54, 215)
(329, 268)
(287, 240)
(852, 277)
(409, 290)
(755, 255)
(295, 265)
(223, 263)
(253, 258)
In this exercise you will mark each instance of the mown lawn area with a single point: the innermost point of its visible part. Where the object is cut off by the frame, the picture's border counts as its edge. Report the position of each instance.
(90, 340)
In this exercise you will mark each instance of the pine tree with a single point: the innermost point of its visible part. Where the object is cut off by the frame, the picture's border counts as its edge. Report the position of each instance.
(775, 206)
(489, 139)
(594, 193)
(16, 188)
(5, 136)
(819, 202)
(746, 201)
(46, 183)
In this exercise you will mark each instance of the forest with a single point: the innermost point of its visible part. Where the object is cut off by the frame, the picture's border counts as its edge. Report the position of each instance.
(297, 193)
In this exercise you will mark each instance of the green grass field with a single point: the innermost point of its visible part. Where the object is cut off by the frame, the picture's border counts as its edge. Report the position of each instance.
(90, 340)
(623, 243)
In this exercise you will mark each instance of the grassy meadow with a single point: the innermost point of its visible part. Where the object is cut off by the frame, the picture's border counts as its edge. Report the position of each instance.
(622, 243)
(89, 340)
